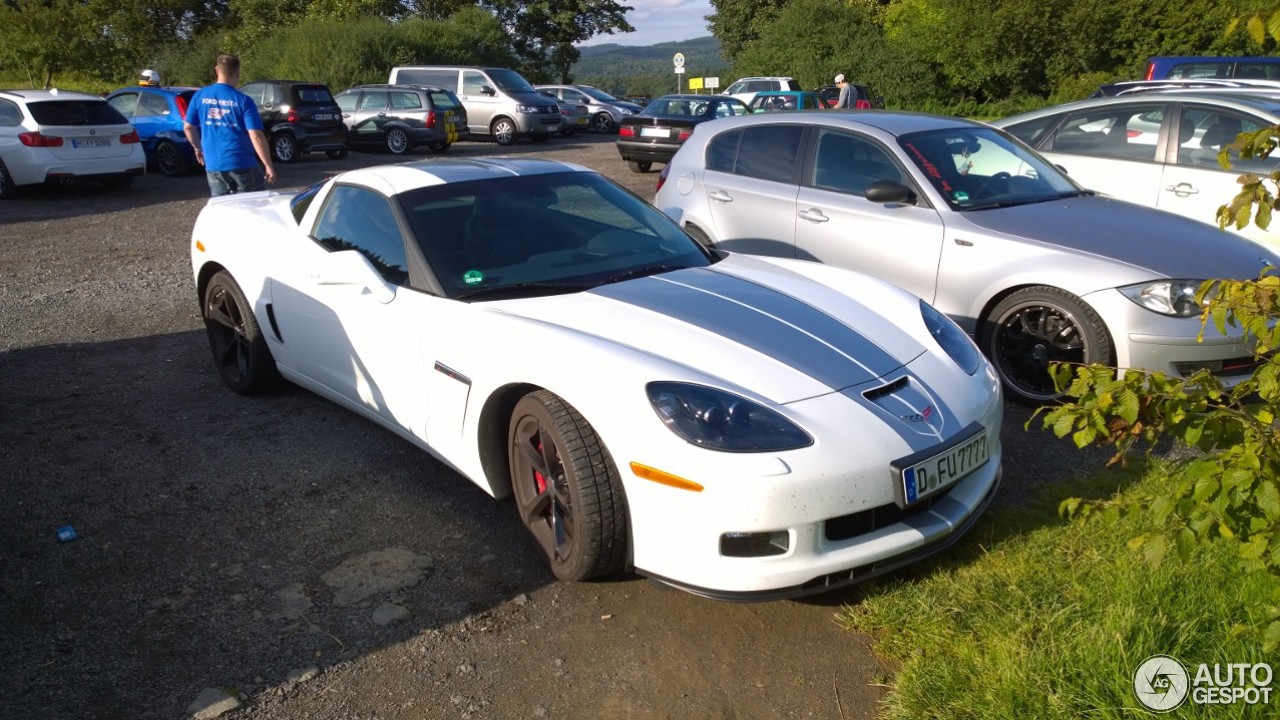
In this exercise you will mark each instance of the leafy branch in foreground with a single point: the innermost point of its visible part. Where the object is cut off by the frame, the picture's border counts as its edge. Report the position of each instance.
(1227, 487)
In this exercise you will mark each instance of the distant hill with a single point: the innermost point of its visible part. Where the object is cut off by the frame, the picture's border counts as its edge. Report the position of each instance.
(701, 57)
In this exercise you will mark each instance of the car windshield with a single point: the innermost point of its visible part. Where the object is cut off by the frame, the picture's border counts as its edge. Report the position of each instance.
(509, 80)
(978, 168)
(542, 234)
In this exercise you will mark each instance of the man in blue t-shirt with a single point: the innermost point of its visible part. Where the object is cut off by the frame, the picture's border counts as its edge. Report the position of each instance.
(226, 131)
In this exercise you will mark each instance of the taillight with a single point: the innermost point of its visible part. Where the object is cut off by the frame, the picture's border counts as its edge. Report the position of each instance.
(35, 139)
(1132, 133)
(293, 117)
(626, 131)
(182, 105)
(130, 137)
(684, 135)
(430, 122)
(862, 105)
(662, 176)
(1151, 71)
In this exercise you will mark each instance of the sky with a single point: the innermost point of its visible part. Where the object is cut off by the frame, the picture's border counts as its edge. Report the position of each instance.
(658, 21)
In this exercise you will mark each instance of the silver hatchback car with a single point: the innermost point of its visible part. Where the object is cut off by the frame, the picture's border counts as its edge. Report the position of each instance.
(1036, 268)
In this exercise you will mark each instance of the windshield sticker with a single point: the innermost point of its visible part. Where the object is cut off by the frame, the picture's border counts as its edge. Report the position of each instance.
(473, 277)
(960, 196)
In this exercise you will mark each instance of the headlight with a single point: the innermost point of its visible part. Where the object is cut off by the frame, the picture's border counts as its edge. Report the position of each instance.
(528, 108)
(718, 420)
(950, 338)
(1167, 297)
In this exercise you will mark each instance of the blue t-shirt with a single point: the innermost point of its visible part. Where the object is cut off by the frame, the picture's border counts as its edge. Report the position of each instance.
(225, 116)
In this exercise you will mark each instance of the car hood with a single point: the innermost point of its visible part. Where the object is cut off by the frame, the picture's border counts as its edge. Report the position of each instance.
(1165, 244)
(746, 323)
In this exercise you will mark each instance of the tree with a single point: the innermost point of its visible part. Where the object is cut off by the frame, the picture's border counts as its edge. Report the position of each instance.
(545, 32)
(739, 23)
(46, 37)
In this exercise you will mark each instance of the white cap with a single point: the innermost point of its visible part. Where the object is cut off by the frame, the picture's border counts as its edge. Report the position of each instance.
(840, 78)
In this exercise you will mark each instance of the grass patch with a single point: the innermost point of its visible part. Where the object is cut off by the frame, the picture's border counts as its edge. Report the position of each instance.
(1033, 617)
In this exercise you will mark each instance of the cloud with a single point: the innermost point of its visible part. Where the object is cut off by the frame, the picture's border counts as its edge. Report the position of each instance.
(658, 21)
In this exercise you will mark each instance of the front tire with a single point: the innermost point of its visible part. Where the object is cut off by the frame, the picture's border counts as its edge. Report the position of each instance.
(240, 351)
(567, 490)
(284, 147)
(602, 123)
(1034, 327)
(169, 160)
(503, 131)
(397, 141)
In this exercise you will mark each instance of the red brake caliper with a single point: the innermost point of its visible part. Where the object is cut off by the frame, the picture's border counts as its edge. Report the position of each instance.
(537, 476)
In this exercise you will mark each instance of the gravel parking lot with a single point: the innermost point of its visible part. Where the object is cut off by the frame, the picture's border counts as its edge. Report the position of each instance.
(283, 555)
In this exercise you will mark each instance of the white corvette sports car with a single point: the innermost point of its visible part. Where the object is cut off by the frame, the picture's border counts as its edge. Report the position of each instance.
(742, 428)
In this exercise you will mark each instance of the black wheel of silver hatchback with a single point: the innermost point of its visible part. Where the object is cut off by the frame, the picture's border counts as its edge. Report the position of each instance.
(1037, 326)
(566, 488)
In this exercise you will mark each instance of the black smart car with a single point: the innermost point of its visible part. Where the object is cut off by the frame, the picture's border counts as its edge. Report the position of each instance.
(299, 117)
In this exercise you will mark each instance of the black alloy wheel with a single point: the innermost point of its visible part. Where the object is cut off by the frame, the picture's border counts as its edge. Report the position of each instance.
(239, 349)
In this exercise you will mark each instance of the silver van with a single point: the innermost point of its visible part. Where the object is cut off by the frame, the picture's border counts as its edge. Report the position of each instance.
(499, 102)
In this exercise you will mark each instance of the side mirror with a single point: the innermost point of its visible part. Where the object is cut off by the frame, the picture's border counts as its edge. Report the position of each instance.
(885, 192)
(487, 90)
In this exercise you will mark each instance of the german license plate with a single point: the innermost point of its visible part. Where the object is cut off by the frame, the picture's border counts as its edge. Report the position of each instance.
(654, 132)
(90, 142)
(321, 117)
(920, 476)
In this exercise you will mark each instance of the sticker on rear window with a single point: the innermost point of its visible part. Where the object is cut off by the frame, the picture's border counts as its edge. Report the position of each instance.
(473, 277)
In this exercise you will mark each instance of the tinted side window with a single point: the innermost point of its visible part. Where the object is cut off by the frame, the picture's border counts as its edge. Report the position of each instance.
(849, 164)
(770, 152)
(445, 78)
(10, 115)
(444, 101)
(1201, 70)
(722, 151)
(1032, 132)
(255, 93)
(360, 219)
(1258, 70)
(406, 100)
(347, 101)
(472, 81)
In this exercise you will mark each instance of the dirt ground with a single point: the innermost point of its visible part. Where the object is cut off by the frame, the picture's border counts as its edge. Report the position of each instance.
(284, 555)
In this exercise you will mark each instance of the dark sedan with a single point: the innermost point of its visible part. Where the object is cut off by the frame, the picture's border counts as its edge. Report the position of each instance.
(662, 127)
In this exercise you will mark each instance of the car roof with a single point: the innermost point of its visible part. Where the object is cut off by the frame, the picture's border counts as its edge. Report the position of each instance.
(388, 86)
(50, 94)
(166, 89)
(894, 122)
(439, 171)
(1243, 101)
(786, 92)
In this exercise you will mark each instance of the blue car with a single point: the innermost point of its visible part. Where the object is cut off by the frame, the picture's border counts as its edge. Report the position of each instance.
(156, 113)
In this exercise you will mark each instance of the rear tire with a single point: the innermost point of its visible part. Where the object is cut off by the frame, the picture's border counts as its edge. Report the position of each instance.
(337, 154)
(1034, 327)
(698, 234)
(7, 189)
(170, 160)
(397, 141)
(438, 146)
(567, 490)
(284, 147)
(240, 351)
(639, 166)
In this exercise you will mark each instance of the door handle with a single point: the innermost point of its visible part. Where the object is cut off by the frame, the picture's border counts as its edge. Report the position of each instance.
(814, 215)
(721, 196)
(1182, 189)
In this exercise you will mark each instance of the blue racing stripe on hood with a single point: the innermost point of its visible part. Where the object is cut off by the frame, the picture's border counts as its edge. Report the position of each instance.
(771, 322)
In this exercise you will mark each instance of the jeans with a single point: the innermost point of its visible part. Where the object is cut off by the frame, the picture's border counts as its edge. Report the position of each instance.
(227, 182)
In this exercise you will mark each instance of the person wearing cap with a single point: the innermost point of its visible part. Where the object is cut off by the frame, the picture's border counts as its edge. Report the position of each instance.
(846, 92)
(149, 77)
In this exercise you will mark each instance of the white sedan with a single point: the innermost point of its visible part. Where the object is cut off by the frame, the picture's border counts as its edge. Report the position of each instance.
(739, 427)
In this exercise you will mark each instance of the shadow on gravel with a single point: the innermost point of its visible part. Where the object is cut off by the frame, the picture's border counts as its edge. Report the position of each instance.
(219, 539)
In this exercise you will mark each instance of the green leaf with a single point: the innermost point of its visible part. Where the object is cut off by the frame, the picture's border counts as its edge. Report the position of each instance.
(1153, 551)
(1271, 637)
(1267, 498)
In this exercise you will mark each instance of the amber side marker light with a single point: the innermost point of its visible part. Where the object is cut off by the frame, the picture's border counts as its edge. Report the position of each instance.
(664, 478)
(200, 246)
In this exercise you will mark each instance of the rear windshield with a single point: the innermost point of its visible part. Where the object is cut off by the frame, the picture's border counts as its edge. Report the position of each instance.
(313, 95)
(444, 100)
(75, 112)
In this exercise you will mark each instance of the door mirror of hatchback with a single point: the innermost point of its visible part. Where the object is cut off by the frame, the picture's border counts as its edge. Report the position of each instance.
(888, 191)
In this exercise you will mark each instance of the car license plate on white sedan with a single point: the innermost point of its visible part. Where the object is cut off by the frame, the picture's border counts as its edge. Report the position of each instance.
(655, 132)
(926, 473)
(90, 142)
